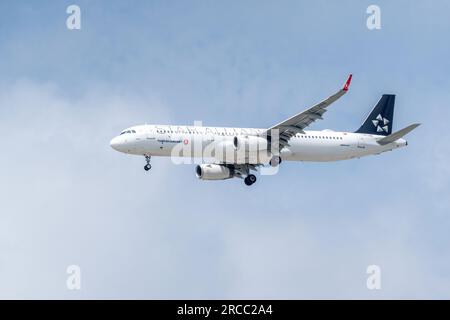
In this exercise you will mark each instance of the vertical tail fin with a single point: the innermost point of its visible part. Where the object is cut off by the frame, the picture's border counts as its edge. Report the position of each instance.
(381, 118)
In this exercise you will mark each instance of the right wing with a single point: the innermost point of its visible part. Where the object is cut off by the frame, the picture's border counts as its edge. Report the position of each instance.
(297, 123)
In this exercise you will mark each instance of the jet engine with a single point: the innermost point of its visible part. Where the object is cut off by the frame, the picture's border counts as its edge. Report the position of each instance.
(213, 172)
(251, 149)
(250, 143)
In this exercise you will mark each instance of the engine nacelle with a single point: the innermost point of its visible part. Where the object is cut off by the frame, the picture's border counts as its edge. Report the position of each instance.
(251, 149)
(250, 143)
(213, 172)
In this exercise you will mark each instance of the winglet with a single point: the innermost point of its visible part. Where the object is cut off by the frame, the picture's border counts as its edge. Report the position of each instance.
(347, 83)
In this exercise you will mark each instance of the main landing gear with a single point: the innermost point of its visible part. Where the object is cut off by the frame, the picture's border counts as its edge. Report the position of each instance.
(148, 166)
(250, 179)
(275, 161)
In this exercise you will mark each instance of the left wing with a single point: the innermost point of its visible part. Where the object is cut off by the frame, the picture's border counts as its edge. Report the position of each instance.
(297, 123)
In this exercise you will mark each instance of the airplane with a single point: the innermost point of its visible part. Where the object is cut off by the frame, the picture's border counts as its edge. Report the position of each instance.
(237, 152)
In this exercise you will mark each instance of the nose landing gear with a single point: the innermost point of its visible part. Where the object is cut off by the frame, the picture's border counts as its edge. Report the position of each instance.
(148, 166)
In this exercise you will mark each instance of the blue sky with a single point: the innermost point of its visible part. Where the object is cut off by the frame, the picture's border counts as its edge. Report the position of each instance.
(308, 232)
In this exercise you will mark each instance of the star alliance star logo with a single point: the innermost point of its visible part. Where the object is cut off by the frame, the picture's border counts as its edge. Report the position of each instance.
(381, 123)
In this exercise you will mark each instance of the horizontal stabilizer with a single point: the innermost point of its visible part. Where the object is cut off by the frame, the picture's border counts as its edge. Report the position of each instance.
(397, 135)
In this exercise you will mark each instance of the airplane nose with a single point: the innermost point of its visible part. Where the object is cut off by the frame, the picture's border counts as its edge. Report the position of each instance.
(115, 143)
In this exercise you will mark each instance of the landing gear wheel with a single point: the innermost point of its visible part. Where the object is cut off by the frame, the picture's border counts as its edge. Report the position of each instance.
(275, 161)
(250, 179)
(148, 166)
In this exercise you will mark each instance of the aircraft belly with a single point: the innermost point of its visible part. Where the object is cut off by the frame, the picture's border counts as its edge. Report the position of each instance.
(321, 153)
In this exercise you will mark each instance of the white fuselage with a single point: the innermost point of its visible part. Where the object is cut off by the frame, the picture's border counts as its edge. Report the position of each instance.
(325, 145)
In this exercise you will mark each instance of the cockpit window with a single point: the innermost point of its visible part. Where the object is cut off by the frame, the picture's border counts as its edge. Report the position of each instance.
(128, 131)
